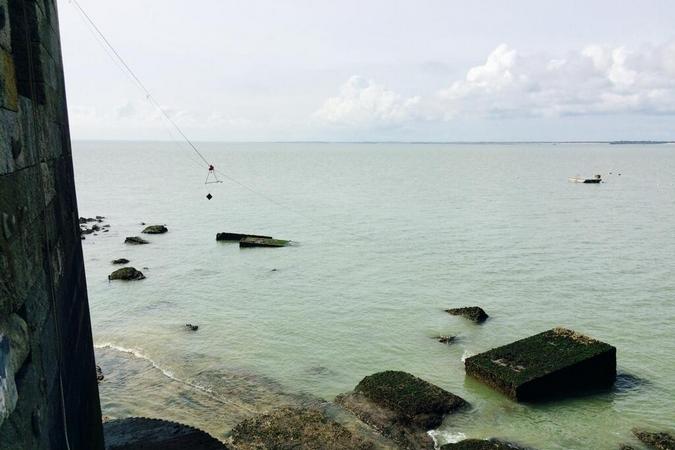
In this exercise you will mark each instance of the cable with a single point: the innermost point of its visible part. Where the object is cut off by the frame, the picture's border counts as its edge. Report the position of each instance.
(122, 65)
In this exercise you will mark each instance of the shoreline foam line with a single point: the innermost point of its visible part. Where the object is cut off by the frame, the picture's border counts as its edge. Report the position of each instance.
(170, 375)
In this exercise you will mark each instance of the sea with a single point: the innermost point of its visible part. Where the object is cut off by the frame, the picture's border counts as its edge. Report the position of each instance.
(386, 236)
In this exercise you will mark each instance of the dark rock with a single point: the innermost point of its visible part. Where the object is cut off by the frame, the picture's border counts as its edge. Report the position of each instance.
(153, 434)
(95, 227)
(262, 242)
(106, 226)
(155, 229)
(473, 313)
(87, 219)
(445, 339)
(86, 230)
(626, 447)
(100, 217)
(99, 374)
(659, 441)
(546, 365)
(191, 327)
(237, 236)
(135, 240)
(121, 261)
(295, 428)
(401, 406)
(481, 444)
(127, 274)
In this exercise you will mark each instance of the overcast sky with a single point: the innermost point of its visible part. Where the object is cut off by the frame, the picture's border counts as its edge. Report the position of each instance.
(375, 69)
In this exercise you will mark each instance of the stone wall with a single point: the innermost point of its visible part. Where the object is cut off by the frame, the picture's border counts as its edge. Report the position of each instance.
(48, 391)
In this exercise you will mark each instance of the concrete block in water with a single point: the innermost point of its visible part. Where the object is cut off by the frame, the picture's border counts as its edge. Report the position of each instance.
(238, 236)
(546, 365)
(262, 242)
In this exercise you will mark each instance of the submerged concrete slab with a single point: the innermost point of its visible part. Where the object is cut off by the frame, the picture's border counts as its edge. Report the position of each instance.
(237, 236)
(262, 242)
(546, 365)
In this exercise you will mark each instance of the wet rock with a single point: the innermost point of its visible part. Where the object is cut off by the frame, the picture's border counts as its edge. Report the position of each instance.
(135, 240)
(401, 406)
(547, 365)
(262, 242)
(155, 229)
(126, 274)
(100, 217)
(473, 313)
(659, 441)
(99, 374)
(445, 339)
(237, 236)
(481, 444)
(106, 226)
(95, 227)
(86, 231)
(87, 219)
(191, 327)
(138, 433)
(121, 261)
(295, 428)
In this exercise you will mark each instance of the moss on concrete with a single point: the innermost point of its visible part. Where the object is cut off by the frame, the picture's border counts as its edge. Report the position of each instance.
(545, 365)
(295, 428)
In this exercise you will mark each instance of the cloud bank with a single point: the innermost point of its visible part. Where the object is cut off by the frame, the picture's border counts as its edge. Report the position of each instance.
(595, 80)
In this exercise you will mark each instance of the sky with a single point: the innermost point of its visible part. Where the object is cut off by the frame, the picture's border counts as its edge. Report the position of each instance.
(374, 70)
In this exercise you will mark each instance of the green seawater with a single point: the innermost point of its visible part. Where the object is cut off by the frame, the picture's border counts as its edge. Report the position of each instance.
(388, 235)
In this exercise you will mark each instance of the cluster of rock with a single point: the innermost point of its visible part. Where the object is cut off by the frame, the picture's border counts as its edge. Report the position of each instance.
(95, 228)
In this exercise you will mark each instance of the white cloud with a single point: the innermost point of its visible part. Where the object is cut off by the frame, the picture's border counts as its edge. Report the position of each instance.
(596, 80)
(363, 103)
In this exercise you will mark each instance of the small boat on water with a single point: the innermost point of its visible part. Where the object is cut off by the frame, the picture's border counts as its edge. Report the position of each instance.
(595, 180)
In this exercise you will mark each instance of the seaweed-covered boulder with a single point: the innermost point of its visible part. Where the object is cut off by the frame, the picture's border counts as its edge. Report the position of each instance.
(481, 444)
(155, 229)
(295, 428)
(659, 441)
(401, 406)
(121, 261)
(473, 313)
(135, 240)
(546, 365)
(138, 433)
(127, 274)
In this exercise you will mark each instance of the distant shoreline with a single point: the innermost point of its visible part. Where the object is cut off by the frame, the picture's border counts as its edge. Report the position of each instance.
(647, 142)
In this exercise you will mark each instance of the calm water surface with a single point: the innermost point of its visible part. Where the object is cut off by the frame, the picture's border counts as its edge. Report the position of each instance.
(388, 235)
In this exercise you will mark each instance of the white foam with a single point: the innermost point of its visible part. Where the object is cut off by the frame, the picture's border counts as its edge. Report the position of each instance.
(466, 354)
(442, 437)
(169, 374)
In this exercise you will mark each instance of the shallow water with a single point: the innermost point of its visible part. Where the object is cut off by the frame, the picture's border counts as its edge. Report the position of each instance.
(388, 235)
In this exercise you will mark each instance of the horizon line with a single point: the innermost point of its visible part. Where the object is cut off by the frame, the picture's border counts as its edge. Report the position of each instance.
(617, 141)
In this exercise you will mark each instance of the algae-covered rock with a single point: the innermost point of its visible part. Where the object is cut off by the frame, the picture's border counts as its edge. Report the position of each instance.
(659, 441)
(295, 428)
(412, 398)
(546, 365)
(481, 444)
(155, 229)
(473, 313)
(443, 339)
(121, 261)
(401, 406)
(135, 240)
(126, 274)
